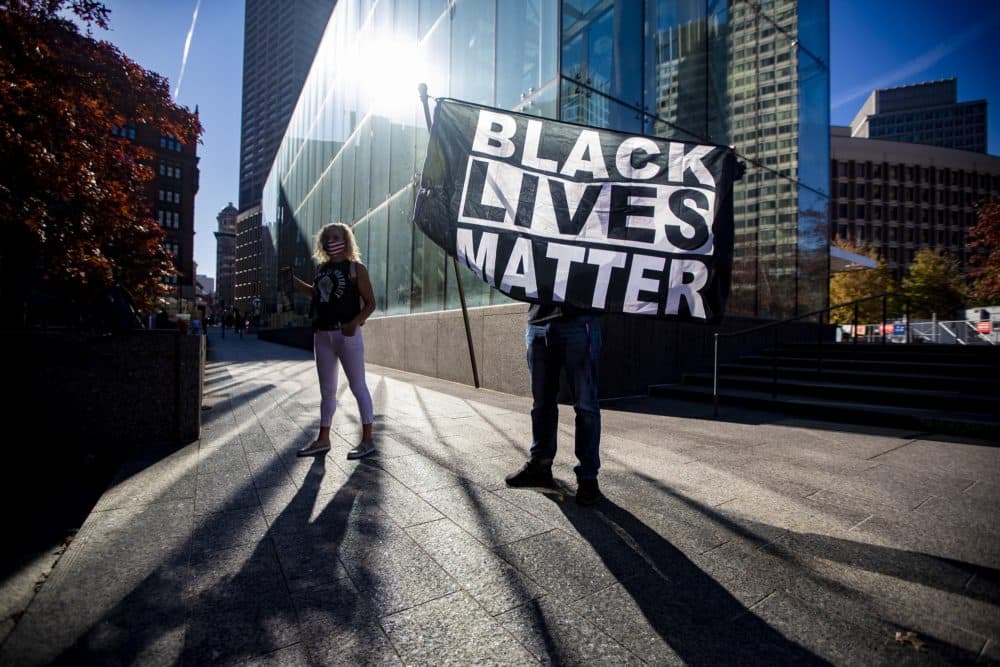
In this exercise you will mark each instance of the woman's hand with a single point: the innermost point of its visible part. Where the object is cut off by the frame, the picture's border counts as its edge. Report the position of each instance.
(349, 328)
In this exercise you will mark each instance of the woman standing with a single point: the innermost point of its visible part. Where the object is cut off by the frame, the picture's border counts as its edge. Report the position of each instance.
(342, 299)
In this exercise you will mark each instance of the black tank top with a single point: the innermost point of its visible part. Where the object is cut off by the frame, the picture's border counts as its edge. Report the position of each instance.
(336, 297)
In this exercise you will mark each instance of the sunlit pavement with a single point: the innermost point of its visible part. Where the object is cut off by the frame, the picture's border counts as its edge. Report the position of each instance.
(758, 539)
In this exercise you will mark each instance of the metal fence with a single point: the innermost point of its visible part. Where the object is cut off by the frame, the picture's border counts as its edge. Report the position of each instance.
(957, 332)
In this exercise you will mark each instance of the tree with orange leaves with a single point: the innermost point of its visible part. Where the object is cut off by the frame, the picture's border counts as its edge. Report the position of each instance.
(984, 254)
(75, 213)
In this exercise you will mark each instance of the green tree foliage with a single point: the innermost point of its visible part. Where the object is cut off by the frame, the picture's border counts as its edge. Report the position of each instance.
(75, 211)
(934, 285)
(984, 254)
(847, 286)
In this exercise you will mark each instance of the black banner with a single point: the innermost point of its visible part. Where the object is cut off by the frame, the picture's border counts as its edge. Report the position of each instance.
(551, 212)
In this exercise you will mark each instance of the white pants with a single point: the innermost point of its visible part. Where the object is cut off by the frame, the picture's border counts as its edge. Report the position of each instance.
(328, 346)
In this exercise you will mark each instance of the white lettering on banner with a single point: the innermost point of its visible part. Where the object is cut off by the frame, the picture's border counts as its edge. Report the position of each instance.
(530, 157)
(534, 221)
(484, 259)
(688, 290)
(675, 219)
(513, 276)
(521, 270)
(681, 162)
(605, 260)
(638, 282)
(623, 158)
(655, 223)
(564, 255)
(493, 134)
(587, 144)
(503, 188)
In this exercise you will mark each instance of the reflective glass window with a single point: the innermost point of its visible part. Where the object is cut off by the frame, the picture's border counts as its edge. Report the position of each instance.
(363, 170)
(427, 291)
(814, 123)
(399, 260)
(401, 142)
(347, 184)
(336, 185)
(378, 239)
(477, 292)
(600, 47)
(430, 11)
(813, 251)
(380, 157)
(582, 105)
(472, 50)
(677, 57)
(527, 32)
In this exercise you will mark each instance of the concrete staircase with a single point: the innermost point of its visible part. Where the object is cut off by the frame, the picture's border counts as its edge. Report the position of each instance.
(941, 388)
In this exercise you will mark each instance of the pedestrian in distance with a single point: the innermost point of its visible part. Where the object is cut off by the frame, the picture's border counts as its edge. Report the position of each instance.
(342, 299)
(558, 338)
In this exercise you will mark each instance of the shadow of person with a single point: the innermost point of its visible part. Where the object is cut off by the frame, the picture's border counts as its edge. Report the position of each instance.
(693, 614)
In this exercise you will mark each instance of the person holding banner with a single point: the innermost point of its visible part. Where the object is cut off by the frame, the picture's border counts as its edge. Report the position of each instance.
(559, 337)
(342, 299)
(577, 221)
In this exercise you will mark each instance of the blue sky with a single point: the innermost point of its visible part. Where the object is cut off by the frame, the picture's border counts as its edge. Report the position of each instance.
(873, 44)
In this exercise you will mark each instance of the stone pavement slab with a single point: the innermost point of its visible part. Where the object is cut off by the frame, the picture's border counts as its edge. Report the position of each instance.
(751, 539)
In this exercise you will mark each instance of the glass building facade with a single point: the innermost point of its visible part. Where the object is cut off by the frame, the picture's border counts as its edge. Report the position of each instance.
(752, 74)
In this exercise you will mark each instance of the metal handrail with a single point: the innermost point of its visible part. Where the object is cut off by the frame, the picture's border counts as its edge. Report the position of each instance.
(884, 296)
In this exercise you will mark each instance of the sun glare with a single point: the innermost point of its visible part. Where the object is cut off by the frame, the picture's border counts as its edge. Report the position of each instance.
(390, 71)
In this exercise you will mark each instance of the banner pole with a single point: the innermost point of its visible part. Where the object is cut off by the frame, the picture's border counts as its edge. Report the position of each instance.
(422, 88)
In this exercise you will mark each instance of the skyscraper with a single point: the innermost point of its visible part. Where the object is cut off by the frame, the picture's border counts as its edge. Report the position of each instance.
(924, 113)
(750, 75)
(279, 42)
(225, 252)
(171, 192)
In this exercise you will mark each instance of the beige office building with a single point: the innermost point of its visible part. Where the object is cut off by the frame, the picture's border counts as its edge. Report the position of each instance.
(899, 197)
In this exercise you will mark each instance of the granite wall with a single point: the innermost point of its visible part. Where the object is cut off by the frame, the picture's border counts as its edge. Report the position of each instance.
(107, 391)
(638, 352)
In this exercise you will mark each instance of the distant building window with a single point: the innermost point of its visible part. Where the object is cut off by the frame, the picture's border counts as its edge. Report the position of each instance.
(169, 219)
(170, 169)
(170, 196)
(170, 143)
(127, 132)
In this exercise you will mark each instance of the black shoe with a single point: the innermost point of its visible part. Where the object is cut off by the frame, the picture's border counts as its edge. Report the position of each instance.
(587, 492)
(532, 474)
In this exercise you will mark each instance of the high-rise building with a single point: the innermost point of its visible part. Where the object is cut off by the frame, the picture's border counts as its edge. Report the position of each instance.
(923, 113)
(254, 287)
(747, 74)
(171, 195)
(225, 255)
(897, 198)
(279, 42)
(207, 285)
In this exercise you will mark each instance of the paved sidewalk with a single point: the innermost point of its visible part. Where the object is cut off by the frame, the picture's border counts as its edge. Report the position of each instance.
(758, 539)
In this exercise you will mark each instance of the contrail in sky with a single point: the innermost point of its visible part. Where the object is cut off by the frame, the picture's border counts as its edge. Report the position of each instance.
(187, 47)
(918, 64)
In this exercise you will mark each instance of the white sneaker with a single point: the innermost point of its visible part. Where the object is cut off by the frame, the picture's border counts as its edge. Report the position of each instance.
(363, 449)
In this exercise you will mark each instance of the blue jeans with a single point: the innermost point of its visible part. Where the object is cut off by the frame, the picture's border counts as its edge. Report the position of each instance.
(573, 344)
